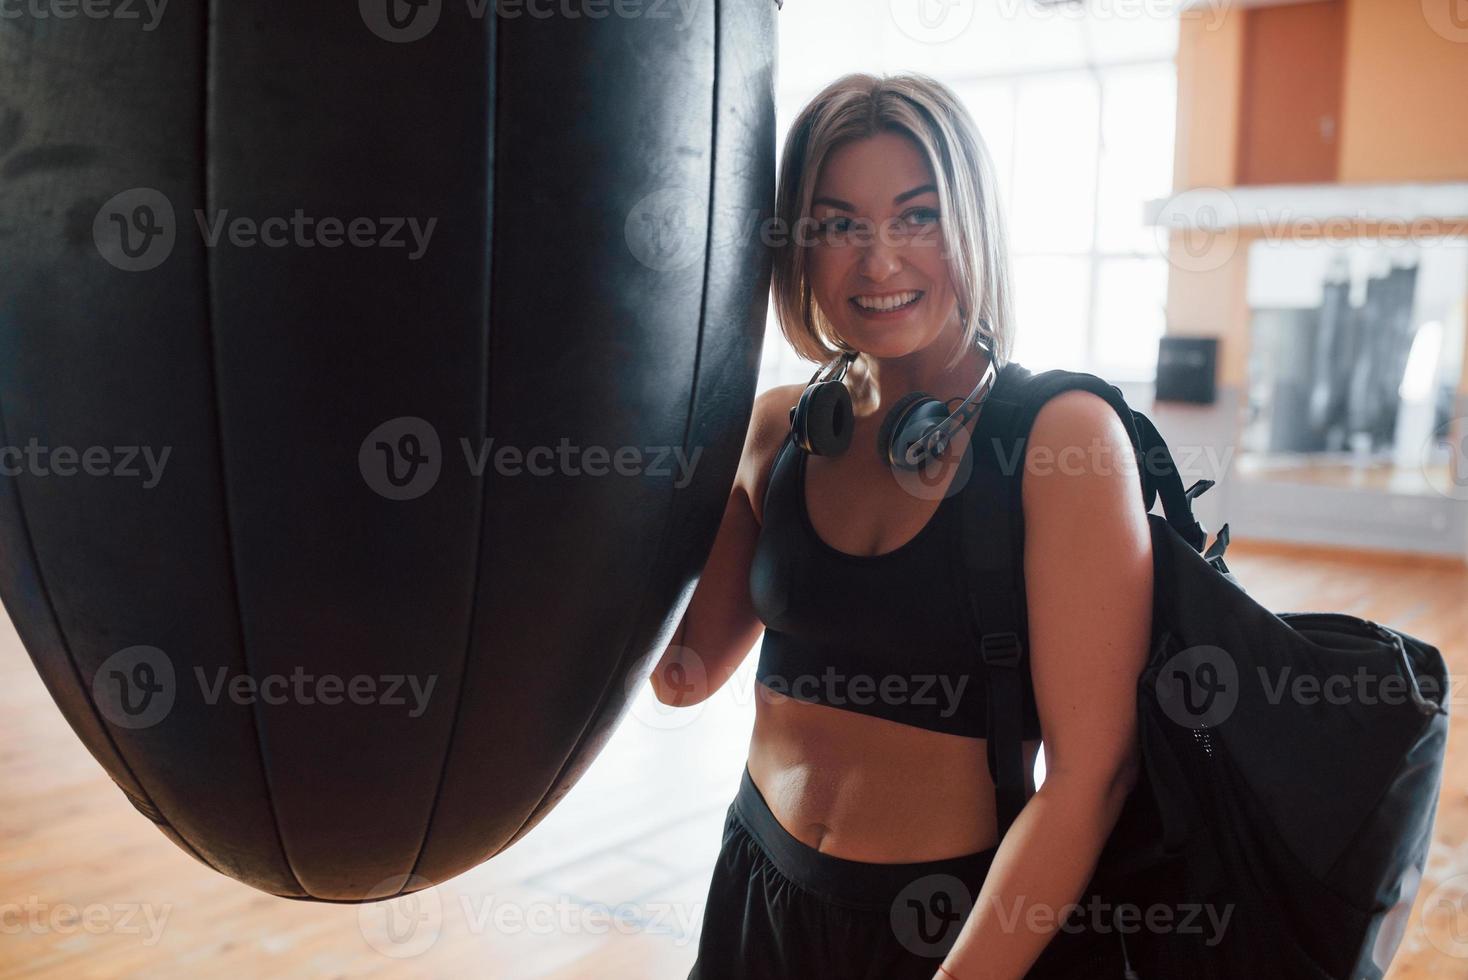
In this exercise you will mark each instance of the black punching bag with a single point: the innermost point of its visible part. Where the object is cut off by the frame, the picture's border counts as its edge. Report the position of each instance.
(373, 378)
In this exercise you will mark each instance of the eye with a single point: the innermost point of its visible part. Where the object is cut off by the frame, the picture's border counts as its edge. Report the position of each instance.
(920, 217)
(835, 231)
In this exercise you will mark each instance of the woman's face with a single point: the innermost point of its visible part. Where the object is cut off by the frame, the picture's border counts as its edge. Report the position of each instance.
(878, 266)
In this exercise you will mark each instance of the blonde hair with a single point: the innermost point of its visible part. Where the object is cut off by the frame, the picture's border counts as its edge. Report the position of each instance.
(861, 105)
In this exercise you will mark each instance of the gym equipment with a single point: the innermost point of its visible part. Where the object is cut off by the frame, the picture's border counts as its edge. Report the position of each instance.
(372, 380)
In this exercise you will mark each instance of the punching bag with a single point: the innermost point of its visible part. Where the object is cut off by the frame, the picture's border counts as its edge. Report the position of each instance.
(372, 380)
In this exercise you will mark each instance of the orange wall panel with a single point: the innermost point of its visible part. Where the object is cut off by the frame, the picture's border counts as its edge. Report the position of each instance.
(1405, 83)
(1290, 100)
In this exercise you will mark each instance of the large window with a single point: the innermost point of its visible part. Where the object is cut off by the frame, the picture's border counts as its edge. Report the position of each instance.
(1077, 109)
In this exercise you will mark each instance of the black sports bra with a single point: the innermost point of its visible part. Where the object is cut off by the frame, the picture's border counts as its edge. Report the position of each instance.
(890, 635)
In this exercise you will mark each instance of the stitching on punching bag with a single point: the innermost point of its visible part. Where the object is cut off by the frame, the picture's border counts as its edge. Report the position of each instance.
(491, 170)
(614, 678)
(206, 70)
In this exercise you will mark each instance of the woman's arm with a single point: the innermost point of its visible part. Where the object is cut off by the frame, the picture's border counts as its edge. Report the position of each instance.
(720, 625)
(1088, 584)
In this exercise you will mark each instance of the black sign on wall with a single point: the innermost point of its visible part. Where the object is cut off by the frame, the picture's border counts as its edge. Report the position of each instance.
(1186, 368)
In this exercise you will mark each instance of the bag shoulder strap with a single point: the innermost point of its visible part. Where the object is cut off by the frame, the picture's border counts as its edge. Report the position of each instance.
(993, 546)
(996, 602)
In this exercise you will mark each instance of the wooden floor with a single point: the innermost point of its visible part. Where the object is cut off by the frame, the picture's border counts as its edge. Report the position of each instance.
(611, 885)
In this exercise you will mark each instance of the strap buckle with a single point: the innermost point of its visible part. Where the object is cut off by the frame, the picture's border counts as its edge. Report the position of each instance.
(1000, 649)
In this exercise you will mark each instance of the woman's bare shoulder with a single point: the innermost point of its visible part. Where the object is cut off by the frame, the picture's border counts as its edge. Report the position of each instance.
(769, 424)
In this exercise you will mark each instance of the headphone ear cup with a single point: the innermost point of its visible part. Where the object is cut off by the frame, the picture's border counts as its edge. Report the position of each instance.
(887, 448)
(912, 418)
(823, 419)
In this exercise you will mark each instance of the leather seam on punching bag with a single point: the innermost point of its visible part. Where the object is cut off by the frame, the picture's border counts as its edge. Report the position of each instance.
(614, 679)
(206, 188)
(77, 672)
(487, 299)
(45, 590)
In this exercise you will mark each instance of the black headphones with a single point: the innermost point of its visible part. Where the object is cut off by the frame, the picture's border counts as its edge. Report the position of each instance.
(918, 428)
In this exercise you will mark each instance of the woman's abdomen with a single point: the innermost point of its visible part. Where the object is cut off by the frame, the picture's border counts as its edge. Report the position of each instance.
(868, 789)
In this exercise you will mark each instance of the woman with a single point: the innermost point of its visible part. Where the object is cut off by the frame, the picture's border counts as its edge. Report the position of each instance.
(865, 829)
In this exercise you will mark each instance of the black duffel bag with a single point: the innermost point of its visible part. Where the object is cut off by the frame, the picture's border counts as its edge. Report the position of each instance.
(1291, 761)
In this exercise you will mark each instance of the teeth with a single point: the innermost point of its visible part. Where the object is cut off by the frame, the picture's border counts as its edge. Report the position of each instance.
(891, 302)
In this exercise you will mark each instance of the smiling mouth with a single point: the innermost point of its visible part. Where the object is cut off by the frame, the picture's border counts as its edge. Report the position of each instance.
(887, 303)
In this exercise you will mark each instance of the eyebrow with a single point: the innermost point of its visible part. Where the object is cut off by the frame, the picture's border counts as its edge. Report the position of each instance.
(905, 195)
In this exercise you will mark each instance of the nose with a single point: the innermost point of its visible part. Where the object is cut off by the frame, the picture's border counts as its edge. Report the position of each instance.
(880, 259)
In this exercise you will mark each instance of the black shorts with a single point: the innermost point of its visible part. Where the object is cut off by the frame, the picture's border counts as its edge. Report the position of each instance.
(778, 908)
